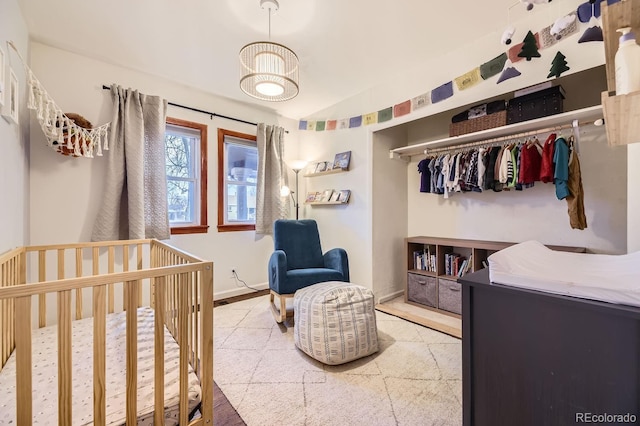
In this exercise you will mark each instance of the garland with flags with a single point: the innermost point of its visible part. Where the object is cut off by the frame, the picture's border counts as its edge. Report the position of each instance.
(502, 64)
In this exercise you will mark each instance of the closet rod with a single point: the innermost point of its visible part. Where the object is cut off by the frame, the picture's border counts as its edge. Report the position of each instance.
(210, 114)
(507, 137)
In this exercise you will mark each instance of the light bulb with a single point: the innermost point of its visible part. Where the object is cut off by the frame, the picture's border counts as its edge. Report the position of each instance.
(285, 191)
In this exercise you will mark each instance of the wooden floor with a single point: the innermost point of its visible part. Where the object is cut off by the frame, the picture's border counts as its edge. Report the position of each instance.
(223, 411)
(428, 318)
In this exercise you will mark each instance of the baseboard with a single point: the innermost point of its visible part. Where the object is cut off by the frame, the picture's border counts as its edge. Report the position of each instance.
(388, 297)
(240, 291)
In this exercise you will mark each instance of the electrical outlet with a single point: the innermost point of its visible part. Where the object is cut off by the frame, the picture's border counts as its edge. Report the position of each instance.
(234, 271)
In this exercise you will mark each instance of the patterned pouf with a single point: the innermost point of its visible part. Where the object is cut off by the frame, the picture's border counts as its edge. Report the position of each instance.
(335, 322)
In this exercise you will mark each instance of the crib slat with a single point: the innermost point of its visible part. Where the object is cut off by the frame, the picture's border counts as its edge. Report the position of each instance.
(64, 358)
(159, 297)
(139, 267)
(79, 290)
(111, 262)
(24, 383)
(99, 358)
(125, 268)
(206, 319)
(131, 288)
(183, 339)
(42, 298)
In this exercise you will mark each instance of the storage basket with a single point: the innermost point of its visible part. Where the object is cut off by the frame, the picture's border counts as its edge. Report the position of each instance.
(536, 105)
(485, 122)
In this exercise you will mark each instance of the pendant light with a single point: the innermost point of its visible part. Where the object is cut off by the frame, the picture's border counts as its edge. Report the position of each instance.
(269, 70)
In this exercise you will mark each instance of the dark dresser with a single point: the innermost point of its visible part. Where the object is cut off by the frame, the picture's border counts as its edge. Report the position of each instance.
(540, 359)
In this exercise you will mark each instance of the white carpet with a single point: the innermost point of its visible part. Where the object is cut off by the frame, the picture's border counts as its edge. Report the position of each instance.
(414, 379)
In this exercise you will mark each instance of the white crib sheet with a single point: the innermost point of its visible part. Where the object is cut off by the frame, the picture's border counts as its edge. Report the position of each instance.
(609, 278)
(45, 374)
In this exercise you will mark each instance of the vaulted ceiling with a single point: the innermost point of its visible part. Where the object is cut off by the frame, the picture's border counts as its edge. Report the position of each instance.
(344, 46)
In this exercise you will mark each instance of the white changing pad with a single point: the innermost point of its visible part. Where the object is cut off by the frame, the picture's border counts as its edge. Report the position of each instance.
(609, 278)
(45, 374)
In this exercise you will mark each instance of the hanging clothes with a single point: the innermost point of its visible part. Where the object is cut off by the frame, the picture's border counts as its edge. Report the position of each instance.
(575, 201)
(530, 164)
(561, 169)
(425, 175)
(546, 166)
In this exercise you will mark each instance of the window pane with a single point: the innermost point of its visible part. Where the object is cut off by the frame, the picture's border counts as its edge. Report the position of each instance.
(241, 205)
(242, 162)
(179, 155)
(181, 196)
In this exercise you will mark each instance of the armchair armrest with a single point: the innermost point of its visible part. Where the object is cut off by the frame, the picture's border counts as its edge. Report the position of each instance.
(337, 259)
(277, 270)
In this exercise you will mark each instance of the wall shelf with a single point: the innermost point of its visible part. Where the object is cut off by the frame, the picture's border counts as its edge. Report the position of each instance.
(326, 203)
(326, 172)
(565, 119)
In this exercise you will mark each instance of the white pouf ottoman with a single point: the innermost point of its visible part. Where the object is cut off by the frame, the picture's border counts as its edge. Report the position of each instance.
(335, 322)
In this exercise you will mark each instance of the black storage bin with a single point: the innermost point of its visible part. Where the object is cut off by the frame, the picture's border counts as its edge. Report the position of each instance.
(535, 105)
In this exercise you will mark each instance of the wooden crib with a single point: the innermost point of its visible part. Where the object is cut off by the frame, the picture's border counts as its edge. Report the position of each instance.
(95, 280)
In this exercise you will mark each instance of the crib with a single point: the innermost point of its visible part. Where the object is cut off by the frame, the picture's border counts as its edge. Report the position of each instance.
(60, 287)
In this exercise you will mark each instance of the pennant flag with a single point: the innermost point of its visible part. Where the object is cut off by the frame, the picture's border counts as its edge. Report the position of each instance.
(343, 123)
(420, 101)
(469, 79)
(311, 125)
(385, 114)
(401, 109)
(593, 33)
(441, 93)
(493, 67)
(355, 121)
(512, 53)
(302, 125)
(547, 39)
(331, 124)
(509, 72)
(370, 118)
(320, 126)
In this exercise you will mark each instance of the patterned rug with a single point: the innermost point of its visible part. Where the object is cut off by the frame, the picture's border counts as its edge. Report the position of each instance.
(414, 379)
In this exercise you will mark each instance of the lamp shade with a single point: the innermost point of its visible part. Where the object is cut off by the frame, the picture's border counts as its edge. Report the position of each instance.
(269, 71)
(297, 165)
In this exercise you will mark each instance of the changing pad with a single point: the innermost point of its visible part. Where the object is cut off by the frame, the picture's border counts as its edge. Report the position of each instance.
(609, 278)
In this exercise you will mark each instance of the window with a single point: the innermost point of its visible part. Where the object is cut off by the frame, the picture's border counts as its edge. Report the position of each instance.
(186, 159)
(237, 177)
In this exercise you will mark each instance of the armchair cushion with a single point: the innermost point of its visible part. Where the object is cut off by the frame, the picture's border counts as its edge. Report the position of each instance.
(300, 240)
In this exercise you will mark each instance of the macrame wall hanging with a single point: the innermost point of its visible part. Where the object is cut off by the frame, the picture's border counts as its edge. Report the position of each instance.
(67, 134)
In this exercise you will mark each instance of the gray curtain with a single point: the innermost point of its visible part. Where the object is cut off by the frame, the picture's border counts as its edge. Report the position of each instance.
(272, 175)
(135, 195)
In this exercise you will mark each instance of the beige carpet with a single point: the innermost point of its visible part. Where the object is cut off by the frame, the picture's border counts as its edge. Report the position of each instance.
(414, 379)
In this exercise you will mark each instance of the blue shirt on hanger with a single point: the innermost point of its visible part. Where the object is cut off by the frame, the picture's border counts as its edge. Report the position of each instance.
(561, 172)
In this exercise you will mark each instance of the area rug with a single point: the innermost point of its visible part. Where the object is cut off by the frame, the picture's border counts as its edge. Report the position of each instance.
(414, 379)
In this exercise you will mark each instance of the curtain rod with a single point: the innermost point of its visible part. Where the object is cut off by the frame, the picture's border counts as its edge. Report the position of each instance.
(209, 113)
(498, 139)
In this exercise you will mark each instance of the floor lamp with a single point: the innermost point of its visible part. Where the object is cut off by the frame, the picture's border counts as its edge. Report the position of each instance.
(296, 166)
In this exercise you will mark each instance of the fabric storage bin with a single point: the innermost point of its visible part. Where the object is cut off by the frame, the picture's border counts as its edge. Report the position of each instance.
(535, 105)
(422, 289)
(485, 122)
(450, 296)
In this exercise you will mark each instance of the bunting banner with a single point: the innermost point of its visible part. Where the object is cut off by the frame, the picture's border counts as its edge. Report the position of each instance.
(501, 66)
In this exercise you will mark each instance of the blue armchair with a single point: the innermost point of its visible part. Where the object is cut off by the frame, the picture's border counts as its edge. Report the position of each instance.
(298, 262)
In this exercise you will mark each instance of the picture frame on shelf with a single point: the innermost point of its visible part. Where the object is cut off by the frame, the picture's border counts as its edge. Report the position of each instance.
(321, 167)
(13, 107)
(344, 195)
(335, 197)
(3, 83)
(311, 197)
(326, 195)
(342, 160)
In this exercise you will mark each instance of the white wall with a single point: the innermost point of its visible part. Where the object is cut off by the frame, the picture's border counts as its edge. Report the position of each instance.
(14, 139)
(606, 234)
(65, 192)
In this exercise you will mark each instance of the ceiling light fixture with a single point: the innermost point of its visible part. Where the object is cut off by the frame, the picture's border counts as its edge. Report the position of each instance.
(269, 70)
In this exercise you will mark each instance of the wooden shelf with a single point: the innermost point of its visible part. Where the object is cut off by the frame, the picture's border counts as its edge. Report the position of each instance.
(422, 272)
(325, 203)
(327, 172)
(621, 112)
(586, 115)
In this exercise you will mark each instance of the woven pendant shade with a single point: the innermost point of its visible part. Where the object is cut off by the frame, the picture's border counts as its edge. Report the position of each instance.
(269, 71)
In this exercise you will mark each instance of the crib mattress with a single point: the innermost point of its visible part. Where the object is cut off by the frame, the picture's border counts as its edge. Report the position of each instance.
(608, 278)
(45, 374)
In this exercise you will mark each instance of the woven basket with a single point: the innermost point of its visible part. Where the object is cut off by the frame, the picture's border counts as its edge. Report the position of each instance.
(476, 124)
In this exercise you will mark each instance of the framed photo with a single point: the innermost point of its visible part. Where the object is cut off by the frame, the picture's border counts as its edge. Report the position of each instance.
(311, 197)
(14, 97)
(344, 196)
(321, 166)
(342, 160)
(335, 197)
(3, 83)
(326, 195)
